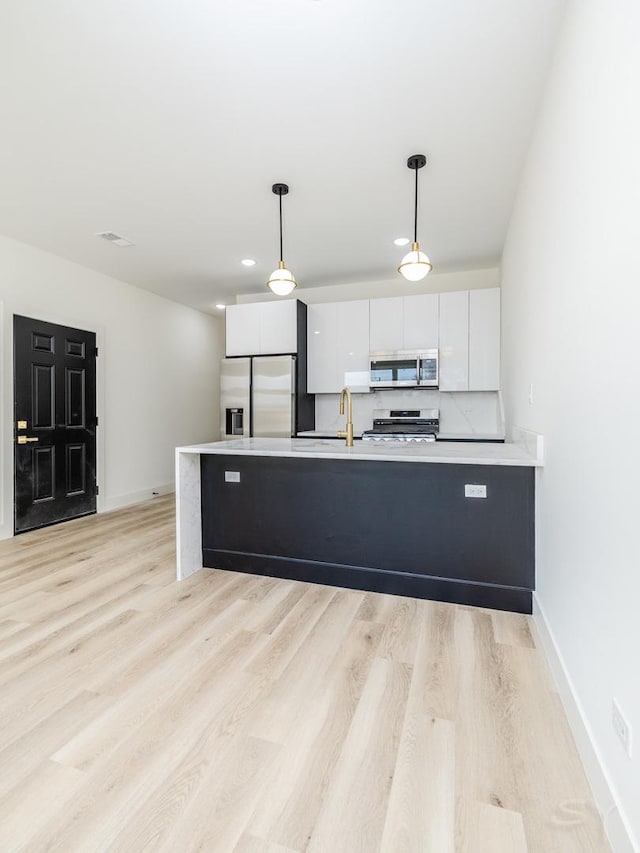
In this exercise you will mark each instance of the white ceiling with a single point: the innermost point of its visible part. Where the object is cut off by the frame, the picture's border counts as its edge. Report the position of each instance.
(167, 122)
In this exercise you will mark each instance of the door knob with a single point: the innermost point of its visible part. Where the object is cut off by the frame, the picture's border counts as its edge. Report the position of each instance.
(23, 439)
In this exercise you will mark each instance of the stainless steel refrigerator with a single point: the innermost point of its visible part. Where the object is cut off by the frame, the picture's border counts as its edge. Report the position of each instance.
(263, 396)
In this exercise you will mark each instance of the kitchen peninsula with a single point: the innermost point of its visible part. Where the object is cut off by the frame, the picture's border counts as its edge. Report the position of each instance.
(448, 521)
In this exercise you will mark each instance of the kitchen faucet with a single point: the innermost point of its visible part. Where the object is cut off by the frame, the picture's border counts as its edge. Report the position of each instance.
(348, 433)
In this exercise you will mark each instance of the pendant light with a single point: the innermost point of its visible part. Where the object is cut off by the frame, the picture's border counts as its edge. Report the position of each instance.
(281, 281)
(415, 265)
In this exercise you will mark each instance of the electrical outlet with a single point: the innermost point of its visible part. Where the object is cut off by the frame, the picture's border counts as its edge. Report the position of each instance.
(471, 490)
(621, 727)
(232, 476)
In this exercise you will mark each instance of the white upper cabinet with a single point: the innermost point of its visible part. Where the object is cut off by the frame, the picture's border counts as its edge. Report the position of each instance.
(464, 326)
(338, 347)
(262, 328)
(385, 324)
(404, 323)
(420, 321)
(322, 349)
(278, 327)
(454, 341)
(352, 323)
(242, 325)
(484, 339)
(470, 340)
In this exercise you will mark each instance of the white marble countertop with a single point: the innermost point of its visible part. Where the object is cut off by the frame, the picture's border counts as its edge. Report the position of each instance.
(470, 436)
(442, 436)
(471, 453)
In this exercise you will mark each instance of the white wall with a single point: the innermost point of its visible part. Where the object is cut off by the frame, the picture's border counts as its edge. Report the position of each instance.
(398, 286)
(571, 327)
(158, 370)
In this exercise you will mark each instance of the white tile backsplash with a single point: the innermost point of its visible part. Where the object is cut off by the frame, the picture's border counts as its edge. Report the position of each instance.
(461, 412)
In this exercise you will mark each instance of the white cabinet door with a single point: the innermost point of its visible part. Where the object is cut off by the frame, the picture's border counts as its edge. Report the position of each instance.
(278, 327)
(385, 324)
(242, 324)
(420, 321)
(484, 339)
(262, 328)
(338, 347)
(404, 323)
(352, 345)
(322, 352)
(454, 341)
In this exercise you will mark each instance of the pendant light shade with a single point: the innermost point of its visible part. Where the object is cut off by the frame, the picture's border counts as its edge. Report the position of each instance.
(415, 265)
(281, 281)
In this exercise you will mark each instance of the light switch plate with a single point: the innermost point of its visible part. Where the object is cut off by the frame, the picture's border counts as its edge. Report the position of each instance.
(471, 490)
(232, 476)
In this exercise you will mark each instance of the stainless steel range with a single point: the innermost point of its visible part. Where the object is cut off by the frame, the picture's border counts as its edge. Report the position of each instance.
(404, 425)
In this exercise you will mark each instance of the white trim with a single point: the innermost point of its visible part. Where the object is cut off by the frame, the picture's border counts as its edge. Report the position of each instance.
(4, 415)
(120, 501)
(615, 822)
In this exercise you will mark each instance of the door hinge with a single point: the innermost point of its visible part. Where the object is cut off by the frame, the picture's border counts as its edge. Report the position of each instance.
(97, 353)
(96, 420)
(97, 490)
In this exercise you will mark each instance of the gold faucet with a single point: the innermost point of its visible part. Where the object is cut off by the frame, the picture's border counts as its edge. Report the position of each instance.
(348, 433)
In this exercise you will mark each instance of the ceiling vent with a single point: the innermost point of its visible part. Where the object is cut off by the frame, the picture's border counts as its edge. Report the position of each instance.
(116, 239)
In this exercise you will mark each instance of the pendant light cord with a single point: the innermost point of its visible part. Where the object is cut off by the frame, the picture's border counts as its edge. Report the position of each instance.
(415, 212)
(281, 254)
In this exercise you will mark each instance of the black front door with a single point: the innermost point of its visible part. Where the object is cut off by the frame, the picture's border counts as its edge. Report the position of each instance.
(55, 423)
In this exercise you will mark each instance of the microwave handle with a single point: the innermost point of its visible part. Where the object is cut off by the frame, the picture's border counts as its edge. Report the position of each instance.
(422, 381)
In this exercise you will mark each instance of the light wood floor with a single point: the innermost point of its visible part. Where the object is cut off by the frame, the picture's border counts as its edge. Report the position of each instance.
(239, 714)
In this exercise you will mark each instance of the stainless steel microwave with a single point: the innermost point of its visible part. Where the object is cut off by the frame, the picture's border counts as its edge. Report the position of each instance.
(404, 369)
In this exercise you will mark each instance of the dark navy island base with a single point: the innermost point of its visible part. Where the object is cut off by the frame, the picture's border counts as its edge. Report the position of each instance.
(392, 527)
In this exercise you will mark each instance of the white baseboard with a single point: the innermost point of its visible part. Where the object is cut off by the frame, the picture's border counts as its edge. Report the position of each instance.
(120, 501)
(108, 504)
(616, 826)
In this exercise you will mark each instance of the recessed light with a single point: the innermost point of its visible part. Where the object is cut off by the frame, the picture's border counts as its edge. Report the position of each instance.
(248, 262)
(220, 305)
(401, 241)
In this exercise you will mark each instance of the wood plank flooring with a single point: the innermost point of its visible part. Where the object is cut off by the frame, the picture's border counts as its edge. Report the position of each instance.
(240, 714)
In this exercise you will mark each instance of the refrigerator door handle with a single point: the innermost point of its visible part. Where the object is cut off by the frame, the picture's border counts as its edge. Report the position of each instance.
(273, 396)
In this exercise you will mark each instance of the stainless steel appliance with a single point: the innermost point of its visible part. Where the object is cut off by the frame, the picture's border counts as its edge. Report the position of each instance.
(404, 369)
(404, 425)
(258, 397)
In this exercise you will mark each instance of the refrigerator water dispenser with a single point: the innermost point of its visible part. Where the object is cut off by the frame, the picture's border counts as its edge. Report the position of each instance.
(234, 421)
